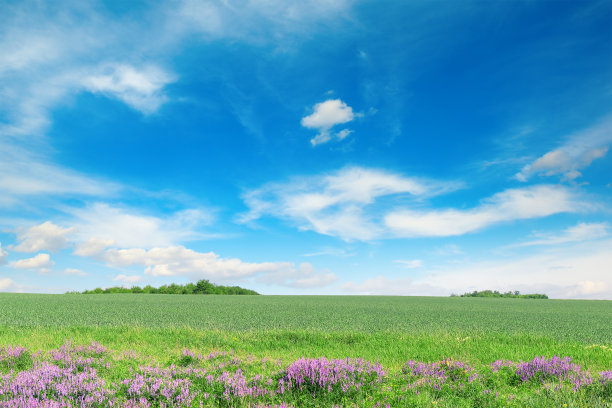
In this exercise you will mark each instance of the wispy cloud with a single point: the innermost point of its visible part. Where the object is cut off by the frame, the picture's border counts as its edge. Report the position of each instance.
(254, 22)
(3, 255)
(340, 252)
(335, 204)
(349, 204)
(49, 53)
(128, 279)
(580, 270)
(74, 272)
(578, 152)
(304, 276)
(557, 271)
(92, 247)
(410, 263)
(141, 88)
(25, 175)
(325, 115)
(577, 233)
(383, 285)
(509, 205)
(448, 250)
(100, 225)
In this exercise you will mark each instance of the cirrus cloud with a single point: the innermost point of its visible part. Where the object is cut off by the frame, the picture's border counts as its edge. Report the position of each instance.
(336, 203)
(357, 203)
(509, 205)
(577, 233)
(578, 152)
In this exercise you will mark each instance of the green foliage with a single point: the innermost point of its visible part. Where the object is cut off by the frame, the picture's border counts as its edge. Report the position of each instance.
(497, 294)
(268, 332)
(586, 321)
(202, 287)
(19, 363)
(219, 377)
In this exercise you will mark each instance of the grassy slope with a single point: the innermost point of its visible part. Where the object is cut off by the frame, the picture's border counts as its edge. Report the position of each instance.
(390, 329)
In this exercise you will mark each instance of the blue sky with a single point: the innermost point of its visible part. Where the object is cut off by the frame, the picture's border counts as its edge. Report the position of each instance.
(312, 147)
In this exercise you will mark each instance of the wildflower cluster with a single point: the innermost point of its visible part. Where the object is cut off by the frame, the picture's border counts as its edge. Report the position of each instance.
(91, 376)
(321, 375)
(445, 374)
(49, 385)
(14, 358)
(556, 372)
(605, 380)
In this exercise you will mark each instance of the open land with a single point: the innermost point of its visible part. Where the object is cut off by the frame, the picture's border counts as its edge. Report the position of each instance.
(169, 350)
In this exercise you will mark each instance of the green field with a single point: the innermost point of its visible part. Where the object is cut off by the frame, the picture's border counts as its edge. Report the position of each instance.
(388, 330)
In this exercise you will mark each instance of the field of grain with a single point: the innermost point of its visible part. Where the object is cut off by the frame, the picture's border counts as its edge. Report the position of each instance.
(320, 351)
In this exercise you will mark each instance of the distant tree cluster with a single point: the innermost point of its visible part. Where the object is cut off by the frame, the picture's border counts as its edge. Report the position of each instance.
(497, 294)
(202, 287)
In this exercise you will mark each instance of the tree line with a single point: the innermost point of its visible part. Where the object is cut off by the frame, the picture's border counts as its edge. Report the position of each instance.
(202, 287)
(497, 294)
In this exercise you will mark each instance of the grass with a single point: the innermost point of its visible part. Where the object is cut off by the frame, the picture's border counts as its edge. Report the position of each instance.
(388, 330)
(576, 320)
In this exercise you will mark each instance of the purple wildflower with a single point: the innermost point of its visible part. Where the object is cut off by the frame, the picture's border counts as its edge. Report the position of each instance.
(323, 375)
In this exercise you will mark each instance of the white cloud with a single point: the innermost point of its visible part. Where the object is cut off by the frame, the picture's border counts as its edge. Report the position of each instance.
(326, 115)
(49, 54)
(73, 271)
(254, 21)
(93, 246)
(141, 88)
(44, 237)
(100, 225)
(42, 262)
(448, 250)
(409, 264)
(7, 285)
(3, 255)
(358, 203)
(25, 175)
(578, 233)
(318, 280)
(382, 285)
(343, 134)
(334, 204)
(590, 288)
(560, 272)
(581, 270)
(304, 277)
(181, 261)
(328, 251)
(202, 16)
(128, 279)
(578, 152)
(513, 204)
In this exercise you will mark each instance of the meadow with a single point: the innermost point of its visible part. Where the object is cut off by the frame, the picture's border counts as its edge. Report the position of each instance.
(169, 350)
